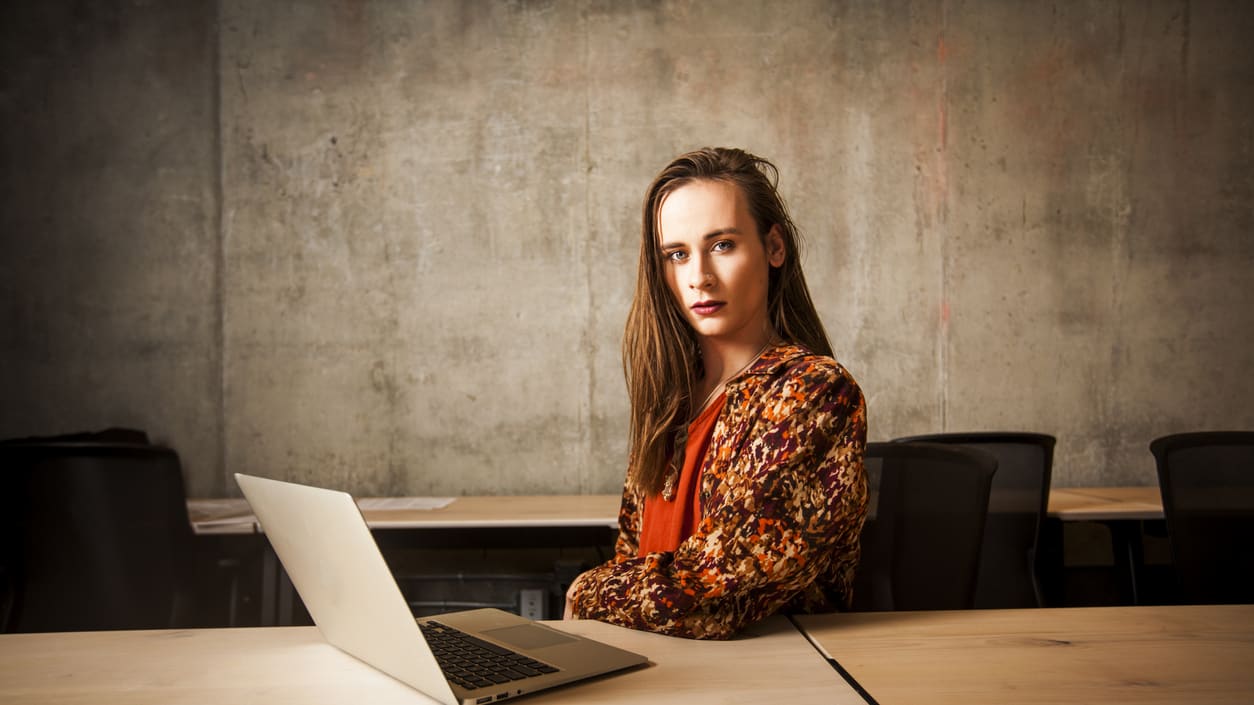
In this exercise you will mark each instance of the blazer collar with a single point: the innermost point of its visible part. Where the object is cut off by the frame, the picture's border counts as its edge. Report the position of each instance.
(771, 362)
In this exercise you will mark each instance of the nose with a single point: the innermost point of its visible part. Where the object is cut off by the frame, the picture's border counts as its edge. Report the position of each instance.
(699, 275)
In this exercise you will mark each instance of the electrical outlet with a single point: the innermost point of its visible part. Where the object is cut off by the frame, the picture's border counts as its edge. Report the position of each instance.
(531, 603)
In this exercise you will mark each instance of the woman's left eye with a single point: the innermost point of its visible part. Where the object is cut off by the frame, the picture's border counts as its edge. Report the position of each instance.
(723, 245)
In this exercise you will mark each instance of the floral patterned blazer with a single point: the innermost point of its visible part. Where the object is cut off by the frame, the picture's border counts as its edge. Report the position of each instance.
(783, 499)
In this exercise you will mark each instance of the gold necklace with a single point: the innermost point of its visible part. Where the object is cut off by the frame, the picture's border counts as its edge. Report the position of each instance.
(681, 434)
(697, 411)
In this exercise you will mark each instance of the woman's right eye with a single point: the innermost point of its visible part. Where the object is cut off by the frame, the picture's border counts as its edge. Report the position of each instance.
(677, 256)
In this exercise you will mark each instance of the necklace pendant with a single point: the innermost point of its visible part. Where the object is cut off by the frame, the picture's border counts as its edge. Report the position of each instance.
(678, 450)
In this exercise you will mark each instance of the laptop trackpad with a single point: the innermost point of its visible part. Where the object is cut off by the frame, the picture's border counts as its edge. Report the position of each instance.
(528, 636)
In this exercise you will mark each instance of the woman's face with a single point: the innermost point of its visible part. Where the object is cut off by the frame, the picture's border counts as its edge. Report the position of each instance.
(717, 265)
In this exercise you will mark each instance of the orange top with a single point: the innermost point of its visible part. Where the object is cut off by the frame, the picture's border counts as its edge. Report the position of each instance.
(666, 524)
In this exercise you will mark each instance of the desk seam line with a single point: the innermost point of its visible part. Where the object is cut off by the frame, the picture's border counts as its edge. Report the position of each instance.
(831, 660)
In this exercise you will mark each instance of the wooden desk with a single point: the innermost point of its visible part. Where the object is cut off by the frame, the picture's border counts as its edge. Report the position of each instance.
(773, 663)
(221, 516)
(233, 516)
(1121, 510)
(1105, 503)
(464, 521)
(1142, 655)
(479, 518)
(503, 512)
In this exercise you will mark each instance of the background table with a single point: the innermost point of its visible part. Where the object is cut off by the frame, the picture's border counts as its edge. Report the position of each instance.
(233, 516)
(1123, 511)
(1105, 503)
(1142, 655)
(215, 516)
(464, 522)
(591, 520)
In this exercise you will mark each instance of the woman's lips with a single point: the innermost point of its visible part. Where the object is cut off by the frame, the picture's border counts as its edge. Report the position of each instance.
(707, 308)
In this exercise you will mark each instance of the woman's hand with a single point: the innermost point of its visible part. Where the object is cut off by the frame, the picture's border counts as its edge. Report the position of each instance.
(568, 611)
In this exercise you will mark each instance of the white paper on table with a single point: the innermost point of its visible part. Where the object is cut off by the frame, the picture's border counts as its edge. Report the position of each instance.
(224, 521)
(377, 503)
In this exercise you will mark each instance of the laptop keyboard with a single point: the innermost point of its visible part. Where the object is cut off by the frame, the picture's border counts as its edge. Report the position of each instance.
(474, 663)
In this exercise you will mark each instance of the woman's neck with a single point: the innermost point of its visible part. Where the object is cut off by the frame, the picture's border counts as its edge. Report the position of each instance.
(724, 359)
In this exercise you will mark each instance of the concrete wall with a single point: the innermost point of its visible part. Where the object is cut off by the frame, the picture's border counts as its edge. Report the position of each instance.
(109, 240)
(390, 246)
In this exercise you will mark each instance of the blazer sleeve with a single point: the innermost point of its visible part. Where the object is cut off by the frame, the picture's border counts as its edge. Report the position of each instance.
(788, 499)
(627, 545)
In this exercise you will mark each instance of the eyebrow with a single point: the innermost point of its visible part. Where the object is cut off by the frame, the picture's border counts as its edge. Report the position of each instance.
(708, 236)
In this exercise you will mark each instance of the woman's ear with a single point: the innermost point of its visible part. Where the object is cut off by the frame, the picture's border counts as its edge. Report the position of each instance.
(776, 251)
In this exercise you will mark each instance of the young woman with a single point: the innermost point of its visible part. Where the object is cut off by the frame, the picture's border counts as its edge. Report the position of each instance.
(745, 493)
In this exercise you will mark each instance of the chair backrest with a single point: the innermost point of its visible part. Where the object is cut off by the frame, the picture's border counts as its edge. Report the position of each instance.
(1207, 485)
(97, 536)
(1009, 559)
(922, 550)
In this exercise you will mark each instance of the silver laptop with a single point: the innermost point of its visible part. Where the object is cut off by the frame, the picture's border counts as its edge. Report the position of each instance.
(324, 544)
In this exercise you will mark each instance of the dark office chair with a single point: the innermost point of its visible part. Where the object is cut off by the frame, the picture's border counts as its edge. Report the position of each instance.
(96, 536)
(922, 550)
(1207, 485)
(1009, 563)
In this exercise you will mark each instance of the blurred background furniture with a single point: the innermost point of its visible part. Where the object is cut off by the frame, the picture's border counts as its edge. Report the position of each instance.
(95, 536)
(922, 549)
(1010, 563)
(1207, 485)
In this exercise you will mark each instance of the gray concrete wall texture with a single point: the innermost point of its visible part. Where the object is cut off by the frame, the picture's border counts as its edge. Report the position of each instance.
(389, 246)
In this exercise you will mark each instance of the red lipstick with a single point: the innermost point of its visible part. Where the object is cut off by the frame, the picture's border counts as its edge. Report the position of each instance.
(707, 308)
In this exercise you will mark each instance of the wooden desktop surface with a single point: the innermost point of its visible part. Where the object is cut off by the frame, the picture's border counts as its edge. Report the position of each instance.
(771, 663)
(233, 516)
(1105, 503)
(1141, 655)
(503, 511)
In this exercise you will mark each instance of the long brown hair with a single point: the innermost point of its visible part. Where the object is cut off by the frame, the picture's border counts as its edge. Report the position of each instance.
(660, 354)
